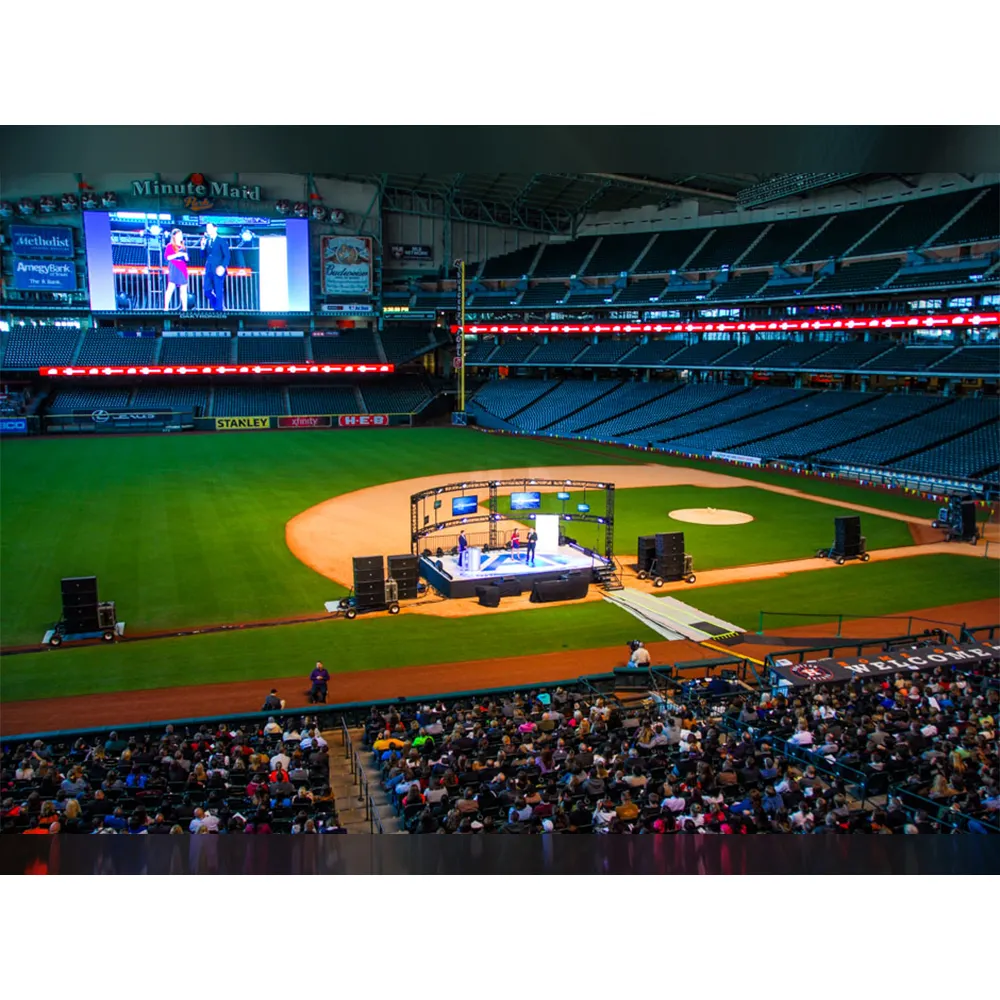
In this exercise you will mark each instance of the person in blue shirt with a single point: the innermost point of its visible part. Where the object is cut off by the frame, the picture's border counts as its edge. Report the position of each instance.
(320, 679)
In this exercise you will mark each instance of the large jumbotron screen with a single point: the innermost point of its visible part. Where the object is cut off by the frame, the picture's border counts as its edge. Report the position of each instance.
(139, 261)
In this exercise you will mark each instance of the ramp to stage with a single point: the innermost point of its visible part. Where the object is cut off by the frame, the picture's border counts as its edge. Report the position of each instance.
(672, 618)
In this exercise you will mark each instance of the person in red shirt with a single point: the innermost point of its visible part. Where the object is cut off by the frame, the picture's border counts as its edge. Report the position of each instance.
(176, 256)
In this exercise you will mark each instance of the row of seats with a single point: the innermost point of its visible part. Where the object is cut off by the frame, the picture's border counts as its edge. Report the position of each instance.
(972, 455)
(401, 395)
(33, 347)
(768, 422)
(873, 357)
(940, 220)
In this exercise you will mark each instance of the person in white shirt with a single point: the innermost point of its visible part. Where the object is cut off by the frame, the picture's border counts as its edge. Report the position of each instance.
(802, 815)
(209, 822)
(672, 802)
(803, 738)
(603, 816)
(280, 759)
(291, 736)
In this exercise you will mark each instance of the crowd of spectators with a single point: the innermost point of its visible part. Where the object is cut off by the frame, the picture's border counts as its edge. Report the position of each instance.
(840, 759)
(274, 778)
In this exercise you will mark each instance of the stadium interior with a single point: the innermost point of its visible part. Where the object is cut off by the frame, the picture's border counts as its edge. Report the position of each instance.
(803, 332)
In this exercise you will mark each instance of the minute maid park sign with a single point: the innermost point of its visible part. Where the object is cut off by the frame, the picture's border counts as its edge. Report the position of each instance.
(198, 192)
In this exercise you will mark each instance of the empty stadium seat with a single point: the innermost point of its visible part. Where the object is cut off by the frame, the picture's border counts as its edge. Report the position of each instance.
(641, 292)
(617, 253)
(860, 277)
(514, 350)
(980, 223)
(970, 361)
(841, 233)
(725, 247)
(549, 293)
(969, 455)
(347, 347)
(401, 395)
(312, 400)
(740, 286)
(559, 351)
(781, 241)
(505, 397)
(563, 260)
(248, 401)
(404, 341)
(270, 350)
(670, 250)
(907, 359)
(913, 224)
(103, 348)
(172, 397)
(605, 352)
(34, 346)
(655, 352)
(564, 398)
(618, 403)
(196, 351)
(511, 265)
(68, 400)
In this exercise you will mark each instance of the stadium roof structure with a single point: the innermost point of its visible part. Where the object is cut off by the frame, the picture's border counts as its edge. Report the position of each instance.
(556, 203)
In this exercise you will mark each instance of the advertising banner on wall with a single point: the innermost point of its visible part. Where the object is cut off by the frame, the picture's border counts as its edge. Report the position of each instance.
(13, 425)
(242, 423)
(301, 422)
(411, 251)
(363, 420)
(41, 241)
(347, 265)
(44, 275)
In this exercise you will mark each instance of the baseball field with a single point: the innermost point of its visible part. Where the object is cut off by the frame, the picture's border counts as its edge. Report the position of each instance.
(249, 528)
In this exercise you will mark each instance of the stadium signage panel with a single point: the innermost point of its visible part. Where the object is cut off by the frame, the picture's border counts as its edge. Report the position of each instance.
(347, 265)
(305, 422)
(103, 416)
(363, 420)
(41, 241)
(242, 423)
(198, 192)
(237, 370)
(44, 275)
(13, 425)
(414, 251)
(832, 670)
(859, 323)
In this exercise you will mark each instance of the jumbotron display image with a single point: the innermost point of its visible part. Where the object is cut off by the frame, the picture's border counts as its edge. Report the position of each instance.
(159, 262)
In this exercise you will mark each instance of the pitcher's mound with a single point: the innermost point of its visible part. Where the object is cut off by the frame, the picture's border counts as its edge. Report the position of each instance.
(709, 515)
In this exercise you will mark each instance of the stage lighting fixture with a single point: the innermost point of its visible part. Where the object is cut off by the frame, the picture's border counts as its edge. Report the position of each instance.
(155, 230)
(247, 236)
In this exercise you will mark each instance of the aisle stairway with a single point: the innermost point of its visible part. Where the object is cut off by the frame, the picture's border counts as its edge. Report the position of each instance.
(351, 805)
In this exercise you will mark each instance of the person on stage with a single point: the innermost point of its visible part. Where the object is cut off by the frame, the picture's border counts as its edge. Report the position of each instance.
(216, 262)
(176, 256)
(529, 555)
(463, 548)
(515, 543)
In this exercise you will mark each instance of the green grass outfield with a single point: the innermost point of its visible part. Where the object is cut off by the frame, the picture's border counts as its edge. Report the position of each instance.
(184, 530)
(784, 527)
(410, 640)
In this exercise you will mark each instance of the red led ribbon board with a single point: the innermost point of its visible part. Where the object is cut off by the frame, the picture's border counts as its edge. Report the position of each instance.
(168, 370)
(750, 326)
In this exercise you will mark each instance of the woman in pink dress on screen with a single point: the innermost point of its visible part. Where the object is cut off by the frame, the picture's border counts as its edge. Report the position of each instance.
(176, 256)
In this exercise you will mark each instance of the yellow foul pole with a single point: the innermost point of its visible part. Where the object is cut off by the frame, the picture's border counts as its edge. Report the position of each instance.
(461, 336)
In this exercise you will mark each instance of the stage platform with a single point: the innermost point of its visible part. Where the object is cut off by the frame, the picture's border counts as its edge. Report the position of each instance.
(452, 581)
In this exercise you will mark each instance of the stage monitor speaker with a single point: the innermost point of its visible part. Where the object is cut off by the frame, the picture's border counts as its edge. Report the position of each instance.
(369, 563)
(510, 587)
(572, 589)
(489, 597)
(968, 518)
(403, 562)
(668, 543)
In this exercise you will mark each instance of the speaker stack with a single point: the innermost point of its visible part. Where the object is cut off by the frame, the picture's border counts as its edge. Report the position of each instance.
(369, 581)
(969, 519)
(670, 554)
(847, 535)
(80, 605)
(405, 570)
(646, 549)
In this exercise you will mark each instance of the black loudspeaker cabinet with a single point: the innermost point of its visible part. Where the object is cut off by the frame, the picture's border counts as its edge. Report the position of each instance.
(407, 592)
(672, 565)
(968, 518)
(369, 563)
(646, 551)
(510, 587)
(489, 597)
(848, 529)
(669, 543)
(79, 591)
(572, 589)
(82, 619)
(368, 576)
(402, 563)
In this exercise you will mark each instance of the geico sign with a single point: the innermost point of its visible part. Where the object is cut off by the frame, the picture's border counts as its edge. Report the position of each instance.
(13, 425)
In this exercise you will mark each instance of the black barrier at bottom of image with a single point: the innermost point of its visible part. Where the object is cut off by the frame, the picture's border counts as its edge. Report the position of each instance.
(544, 854)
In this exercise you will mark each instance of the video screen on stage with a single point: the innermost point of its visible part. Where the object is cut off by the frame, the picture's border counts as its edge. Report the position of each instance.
(464, 505)
(158, 261)
(525, 501)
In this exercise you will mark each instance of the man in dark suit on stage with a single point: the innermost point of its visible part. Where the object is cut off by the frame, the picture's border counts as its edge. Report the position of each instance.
(463, 548)
(529, 556)
(216, 262)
